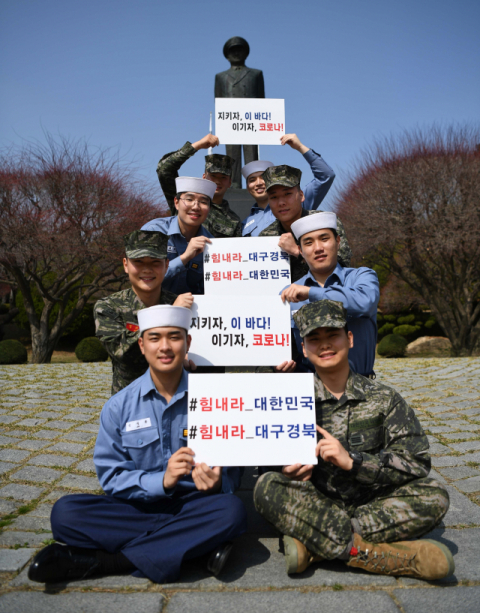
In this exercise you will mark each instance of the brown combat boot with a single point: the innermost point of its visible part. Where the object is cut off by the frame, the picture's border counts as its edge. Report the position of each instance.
(423, 559)
(297, 556)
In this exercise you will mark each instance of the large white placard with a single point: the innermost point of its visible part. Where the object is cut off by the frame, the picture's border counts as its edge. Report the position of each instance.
(252, 419)
(237, 331)
(235, 266)
(249, 121)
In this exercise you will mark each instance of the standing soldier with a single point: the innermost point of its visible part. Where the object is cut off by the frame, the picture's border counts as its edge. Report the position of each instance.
(370, 493)
(116, 322)
(261, 215)
(221, 222)
(285, 198)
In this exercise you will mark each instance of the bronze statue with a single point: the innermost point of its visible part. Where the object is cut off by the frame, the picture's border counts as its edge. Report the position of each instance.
(239, 81)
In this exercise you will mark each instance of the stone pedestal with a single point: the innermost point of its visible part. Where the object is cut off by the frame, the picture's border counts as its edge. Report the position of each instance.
(240, 201)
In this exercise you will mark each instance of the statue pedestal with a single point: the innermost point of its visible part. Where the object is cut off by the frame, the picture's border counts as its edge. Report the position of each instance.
(240, 201)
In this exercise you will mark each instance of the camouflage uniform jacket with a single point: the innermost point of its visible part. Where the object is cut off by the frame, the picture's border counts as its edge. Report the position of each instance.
(112, 316)
(221, 222)
(298, 266)
(375, 420)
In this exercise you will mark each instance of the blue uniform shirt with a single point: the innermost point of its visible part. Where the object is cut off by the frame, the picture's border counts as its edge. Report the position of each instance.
(315, 192)
(179, 279)
(131, 460)
(359, 291)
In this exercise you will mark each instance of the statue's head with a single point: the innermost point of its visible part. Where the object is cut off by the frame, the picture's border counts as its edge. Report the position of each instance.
(236, 50)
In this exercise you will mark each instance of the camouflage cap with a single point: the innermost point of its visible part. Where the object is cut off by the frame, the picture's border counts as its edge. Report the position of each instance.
(320, 314)
(219, 163)
(282, 175)
(146, 244)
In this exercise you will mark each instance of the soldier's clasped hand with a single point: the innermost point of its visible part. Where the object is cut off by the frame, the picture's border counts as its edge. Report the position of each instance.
(184, 300)
(298, 472)
(210, 140)
(179, 465)
(287, 243)
(295, 293)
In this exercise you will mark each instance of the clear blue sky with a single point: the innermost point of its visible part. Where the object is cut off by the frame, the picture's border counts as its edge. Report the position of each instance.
(139, 74)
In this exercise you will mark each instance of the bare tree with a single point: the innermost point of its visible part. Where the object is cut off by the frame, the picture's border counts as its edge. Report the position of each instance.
(413, 204)
(64, 210)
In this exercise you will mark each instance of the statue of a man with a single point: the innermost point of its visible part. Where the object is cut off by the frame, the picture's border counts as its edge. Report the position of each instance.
(239, 81)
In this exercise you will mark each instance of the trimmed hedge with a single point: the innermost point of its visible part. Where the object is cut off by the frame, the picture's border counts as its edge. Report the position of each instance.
(406, 319)
(392, 346)
(385, 329)
(12, 352)
(90, 349)
(407, 331)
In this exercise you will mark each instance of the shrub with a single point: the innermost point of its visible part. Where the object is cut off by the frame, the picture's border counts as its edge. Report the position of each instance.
(385, 329)
(406, 319)
(90, 349)
(390, 318)
(380, 318)
(430, 323)
(392, 346)
(12, 352)
(407, 331)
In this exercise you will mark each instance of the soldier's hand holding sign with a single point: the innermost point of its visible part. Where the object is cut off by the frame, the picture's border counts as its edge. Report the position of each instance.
(207, 479)
(195, 246)
(179, 465)
(295, 293)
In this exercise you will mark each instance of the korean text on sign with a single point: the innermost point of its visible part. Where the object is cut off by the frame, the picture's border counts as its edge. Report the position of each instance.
(237, 332)
(233, 266)
(249, 121)
(252, 419)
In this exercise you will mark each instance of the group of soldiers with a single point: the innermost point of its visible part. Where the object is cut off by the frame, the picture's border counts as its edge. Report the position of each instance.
(367, 500)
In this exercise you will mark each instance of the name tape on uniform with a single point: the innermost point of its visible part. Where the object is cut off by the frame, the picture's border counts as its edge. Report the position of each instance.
(138, 424)
(238, 331)
(252, 419)
(249, 121)
(234, 266)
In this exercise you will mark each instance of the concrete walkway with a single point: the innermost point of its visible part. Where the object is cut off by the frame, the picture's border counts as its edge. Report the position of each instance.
(49, 420)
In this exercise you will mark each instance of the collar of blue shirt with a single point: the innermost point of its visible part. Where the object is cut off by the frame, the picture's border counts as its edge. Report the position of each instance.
(174, 228)
(147, 385)
(339, 272)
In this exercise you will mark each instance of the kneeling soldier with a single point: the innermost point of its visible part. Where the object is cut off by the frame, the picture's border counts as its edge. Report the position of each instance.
(160, 508)
(116, 323)
(369, 492)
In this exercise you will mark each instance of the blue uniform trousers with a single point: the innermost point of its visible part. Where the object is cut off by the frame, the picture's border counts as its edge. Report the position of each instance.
(156, 537)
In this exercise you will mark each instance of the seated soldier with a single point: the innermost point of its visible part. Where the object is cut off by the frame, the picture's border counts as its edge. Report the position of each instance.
(369, 493)
(221, 222)
(356, 288)
(160, 507)
(285, 198)
(261, 215)
(186, 234)
(116, 324)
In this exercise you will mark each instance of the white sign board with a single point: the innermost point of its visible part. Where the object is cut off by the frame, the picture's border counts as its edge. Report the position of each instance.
(252, 419)
(249, 121)
(235, 266)
(237, 331)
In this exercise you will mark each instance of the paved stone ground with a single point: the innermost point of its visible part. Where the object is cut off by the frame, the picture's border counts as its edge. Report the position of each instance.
(48, 423)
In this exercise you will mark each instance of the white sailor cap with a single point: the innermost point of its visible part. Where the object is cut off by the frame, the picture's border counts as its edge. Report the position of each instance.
(314, 221)
(255, 166)
(164, 316)
(196, 185)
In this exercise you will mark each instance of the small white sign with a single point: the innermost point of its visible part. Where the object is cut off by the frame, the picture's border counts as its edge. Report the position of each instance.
(249, 121)
(138, 424)
(252, 419)
(234, 266)
(238, 331)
